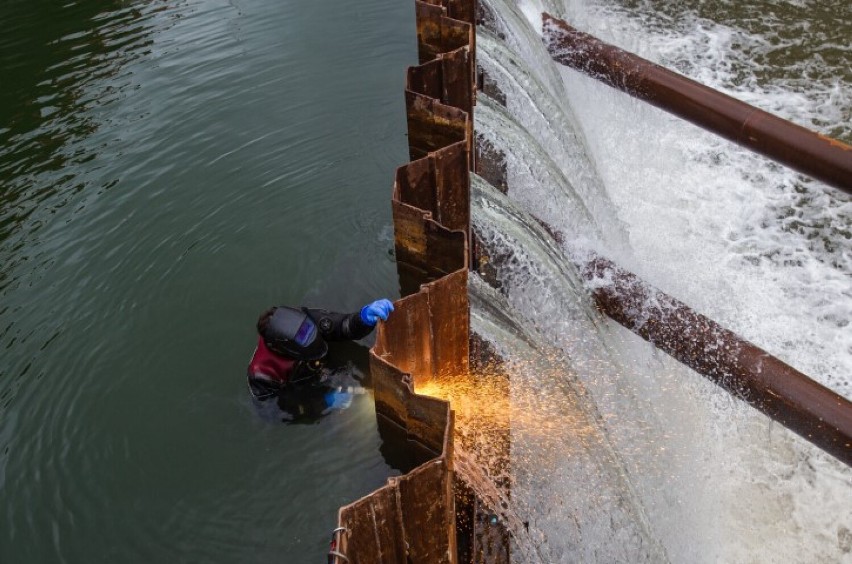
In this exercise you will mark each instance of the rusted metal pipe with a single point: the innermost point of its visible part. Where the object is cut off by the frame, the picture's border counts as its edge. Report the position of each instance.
(738, 366)
(804, 406)
(810, 153)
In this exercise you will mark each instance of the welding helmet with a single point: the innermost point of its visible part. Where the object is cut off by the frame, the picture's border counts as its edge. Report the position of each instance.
(292, 333)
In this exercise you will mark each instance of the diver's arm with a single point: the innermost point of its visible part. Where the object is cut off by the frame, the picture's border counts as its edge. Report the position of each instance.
(339, 326)
(350, 326)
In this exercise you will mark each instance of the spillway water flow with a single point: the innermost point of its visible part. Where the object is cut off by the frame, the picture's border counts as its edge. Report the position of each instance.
(753, 245)
(495, 126)
(716, 480)
(565, 466)
(540, 115)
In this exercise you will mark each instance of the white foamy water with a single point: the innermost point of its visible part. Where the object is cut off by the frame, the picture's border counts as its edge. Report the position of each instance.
(752, 244)
(562, 466)
(760, 249)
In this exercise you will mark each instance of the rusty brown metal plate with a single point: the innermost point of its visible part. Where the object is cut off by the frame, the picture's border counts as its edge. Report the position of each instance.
(425, 243)
(439, 33)
(450, 326)
(452, 186)
(427, 505)
(413, 518)
(440, 184)
(404, 340)
(374, 530)
(432, 125)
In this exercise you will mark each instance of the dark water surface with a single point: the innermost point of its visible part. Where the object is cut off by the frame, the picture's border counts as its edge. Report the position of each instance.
(168, 169)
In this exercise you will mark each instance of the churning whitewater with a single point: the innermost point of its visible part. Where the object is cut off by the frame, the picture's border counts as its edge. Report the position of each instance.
(633, 457)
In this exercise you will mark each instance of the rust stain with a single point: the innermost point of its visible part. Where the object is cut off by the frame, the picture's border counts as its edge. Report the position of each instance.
(835, 143)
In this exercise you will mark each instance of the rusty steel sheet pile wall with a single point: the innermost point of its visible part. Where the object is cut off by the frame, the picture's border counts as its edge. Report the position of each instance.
(412, 518)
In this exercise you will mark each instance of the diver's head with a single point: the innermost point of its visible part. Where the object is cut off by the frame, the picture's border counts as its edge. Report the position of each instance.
(292, 333)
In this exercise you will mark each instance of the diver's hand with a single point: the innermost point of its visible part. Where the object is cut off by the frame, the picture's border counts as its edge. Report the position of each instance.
(340, 398)
(379, 309)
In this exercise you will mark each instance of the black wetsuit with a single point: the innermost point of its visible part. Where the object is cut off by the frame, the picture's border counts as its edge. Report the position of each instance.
(272, 375)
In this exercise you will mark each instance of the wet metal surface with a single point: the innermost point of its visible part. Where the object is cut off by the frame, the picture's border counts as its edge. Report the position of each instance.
(413, 518)
(804, 406)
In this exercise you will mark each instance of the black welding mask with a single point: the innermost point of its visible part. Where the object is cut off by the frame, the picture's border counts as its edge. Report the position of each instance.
(292, 333)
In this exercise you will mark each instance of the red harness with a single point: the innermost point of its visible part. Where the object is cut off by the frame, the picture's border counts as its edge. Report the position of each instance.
(266, 365)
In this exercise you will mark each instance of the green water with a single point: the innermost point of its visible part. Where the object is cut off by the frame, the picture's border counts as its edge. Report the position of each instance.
(168, 169)
(786, 48)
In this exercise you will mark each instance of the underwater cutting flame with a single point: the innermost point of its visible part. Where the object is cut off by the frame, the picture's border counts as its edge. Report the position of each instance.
(506, 427)
(531, 418)
(485, 401)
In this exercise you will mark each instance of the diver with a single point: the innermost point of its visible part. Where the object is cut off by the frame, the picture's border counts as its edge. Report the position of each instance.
(287, 364)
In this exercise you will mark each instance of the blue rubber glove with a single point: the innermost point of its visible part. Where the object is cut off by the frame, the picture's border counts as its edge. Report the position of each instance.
(379, 309)
(341, 398)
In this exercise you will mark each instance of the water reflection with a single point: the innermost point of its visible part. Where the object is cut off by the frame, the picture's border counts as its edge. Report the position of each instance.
(59, 67)
(167, 168)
